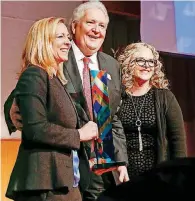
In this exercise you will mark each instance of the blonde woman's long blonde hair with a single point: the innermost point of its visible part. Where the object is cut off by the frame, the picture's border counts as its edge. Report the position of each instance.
(125, 59)
(38, 46)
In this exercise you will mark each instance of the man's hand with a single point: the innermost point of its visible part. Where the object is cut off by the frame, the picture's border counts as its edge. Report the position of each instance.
(123, 174)
(15, 116)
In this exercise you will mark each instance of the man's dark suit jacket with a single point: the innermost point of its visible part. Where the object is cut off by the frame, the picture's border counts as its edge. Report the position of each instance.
(74, 88)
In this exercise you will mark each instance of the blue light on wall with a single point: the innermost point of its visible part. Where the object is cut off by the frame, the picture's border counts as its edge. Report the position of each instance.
(185, 26)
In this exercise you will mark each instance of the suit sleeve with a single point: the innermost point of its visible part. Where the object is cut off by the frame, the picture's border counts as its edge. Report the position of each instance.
(31, 96)
(119, 138)
(7, 107)
(175, 129)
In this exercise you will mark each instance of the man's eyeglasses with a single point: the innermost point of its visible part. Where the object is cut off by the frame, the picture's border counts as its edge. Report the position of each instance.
(142, 62)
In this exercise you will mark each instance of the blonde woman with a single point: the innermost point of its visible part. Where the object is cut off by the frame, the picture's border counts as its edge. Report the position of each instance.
(46, 167)
(150, 114)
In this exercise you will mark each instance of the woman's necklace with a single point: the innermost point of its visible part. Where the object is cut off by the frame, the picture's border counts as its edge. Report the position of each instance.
(138, 122)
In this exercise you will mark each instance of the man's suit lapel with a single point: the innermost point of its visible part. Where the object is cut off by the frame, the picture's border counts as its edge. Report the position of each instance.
(74, 86)
(104, 65)
(74, 79)
(101, 61)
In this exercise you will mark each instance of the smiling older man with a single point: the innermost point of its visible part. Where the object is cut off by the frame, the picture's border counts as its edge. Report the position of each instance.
(88, 25)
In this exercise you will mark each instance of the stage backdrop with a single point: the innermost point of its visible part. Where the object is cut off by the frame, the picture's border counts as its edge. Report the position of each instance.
(169, 25)
(17, 17)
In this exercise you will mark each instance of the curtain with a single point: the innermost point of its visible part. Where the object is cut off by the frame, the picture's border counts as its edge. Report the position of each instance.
(122, 30)
(180, 70)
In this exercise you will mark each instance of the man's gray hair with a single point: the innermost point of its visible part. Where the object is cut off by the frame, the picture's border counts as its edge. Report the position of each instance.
(79, 11)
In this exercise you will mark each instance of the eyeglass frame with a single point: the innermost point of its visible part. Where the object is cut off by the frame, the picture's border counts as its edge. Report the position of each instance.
(145, 61)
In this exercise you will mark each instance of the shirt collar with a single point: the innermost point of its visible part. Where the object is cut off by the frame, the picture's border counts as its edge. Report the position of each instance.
(79, 55)
(93, 58)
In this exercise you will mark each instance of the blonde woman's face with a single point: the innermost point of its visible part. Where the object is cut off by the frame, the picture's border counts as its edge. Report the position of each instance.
(61, 43)
(144, 64)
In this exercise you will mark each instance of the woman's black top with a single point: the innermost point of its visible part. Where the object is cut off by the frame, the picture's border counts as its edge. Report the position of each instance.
(139, 161)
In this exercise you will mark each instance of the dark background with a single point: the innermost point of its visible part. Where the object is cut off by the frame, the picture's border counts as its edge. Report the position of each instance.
(124, 28)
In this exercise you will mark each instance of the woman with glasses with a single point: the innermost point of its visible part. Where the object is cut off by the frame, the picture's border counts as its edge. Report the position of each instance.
(150, 114)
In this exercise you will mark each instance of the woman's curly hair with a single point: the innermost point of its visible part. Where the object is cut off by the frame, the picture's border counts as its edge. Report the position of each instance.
(125, 59)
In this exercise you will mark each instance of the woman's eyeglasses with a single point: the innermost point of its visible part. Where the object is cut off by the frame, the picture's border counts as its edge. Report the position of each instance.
(142, 62)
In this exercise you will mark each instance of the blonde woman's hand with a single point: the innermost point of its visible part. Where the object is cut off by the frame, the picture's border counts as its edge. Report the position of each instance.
(89, 131)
